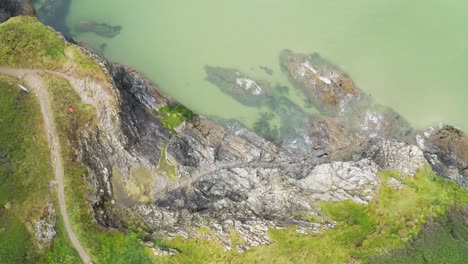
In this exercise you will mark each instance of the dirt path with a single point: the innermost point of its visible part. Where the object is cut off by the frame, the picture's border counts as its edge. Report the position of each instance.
(38, 87)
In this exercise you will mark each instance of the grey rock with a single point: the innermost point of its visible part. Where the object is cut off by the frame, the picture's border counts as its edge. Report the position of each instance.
(227, 179)
(160, 251)
(446, 149)
(395, 184)
(44, 228)
(394, 155)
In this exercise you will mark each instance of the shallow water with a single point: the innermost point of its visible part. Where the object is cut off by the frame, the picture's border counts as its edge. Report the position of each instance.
(410, 55)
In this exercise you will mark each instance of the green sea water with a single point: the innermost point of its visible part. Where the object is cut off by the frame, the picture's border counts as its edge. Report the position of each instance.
(409, 55)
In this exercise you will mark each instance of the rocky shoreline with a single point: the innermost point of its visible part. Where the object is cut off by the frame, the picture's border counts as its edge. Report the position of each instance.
(234, 180)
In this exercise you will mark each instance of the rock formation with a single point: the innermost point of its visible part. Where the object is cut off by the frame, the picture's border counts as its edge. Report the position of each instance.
(446, 149)
(172, 183)
(225, 180)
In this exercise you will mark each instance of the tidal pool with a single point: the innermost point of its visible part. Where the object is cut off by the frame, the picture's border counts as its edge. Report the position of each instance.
(409, 55)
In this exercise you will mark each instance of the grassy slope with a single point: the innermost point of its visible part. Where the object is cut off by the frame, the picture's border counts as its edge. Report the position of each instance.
(105, 246)
(25, 174)
(26, 43)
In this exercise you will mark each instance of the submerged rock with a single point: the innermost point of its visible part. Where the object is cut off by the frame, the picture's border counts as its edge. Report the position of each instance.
(100, 29)
(238, 85)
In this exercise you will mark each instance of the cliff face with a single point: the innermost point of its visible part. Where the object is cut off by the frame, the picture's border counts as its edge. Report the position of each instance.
(11, 8)
(208, 176)
(202, 175)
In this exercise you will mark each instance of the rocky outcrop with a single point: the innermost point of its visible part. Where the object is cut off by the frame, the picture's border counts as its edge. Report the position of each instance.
(326, 86)
(11, 8)
(446, 149)
(225, 180)
(172, 182)
(44, 228)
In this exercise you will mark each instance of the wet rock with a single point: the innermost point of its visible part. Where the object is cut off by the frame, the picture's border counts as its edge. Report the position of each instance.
(238, 85)
(331, 138)
(375, 121)
(446, 149)
(327, 87)
(100, 29)
(44, 228)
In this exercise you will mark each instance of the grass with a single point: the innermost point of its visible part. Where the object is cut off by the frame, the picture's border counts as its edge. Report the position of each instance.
(441, 241)
(174, 115)
(26, 43)
(25, 174)
(104, 245)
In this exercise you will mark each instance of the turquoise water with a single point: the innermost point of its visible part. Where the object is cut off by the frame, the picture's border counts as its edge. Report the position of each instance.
(410, 55)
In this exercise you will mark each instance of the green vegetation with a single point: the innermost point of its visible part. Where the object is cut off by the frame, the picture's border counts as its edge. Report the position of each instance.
(174, 115)
(61, 251)
(164, 166)
(387, 223)
(25, 174)
(26, 43)
(441, 241)
(104, 245)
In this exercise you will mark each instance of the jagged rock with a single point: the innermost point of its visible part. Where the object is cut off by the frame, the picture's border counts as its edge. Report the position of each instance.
(446, 149)
(44, 228)
(394, 155)
(331, 138)
(224, 179)
(339, 181)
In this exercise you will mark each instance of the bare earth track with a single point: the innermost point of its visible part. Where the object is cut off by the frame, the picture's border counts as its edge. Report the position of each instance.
(38, 87)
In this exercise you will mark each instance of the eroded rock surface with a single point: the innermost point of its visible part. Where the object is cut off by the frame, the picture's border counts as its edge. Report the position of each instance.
(446, 149)
(226, 179)
(44, 228)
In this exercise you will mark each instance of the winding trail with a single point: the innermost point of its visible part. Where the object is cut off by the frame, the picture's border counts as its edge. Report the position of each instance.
(38, 87)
